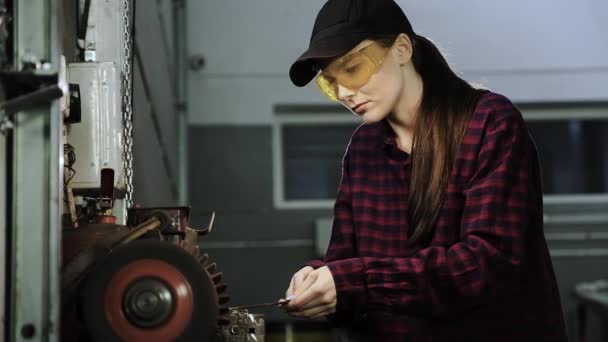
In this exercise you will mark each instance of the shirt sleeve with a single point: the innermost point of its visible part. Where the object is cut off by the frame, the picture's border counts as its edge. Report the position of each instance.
(441, 279)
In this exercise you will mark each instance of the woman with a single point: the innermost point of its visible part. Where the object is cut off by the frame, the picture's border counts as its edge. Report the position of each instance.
(438, 223)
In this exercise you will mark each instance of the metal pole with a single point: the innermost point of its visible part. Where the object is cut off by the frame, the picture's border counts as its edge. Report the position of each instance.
(3, 233)
(36, 201)
(3, 186)
(181, 82)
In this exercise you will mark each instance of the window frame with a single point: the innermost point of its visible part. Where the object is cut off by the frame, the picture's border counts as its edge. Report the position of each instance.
(584, 112)
(329, 117)
(311, 115)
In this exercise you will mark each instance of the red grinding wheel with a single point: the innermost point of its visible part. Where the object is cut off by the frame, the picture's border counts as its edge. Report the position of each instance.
(150, 291)
(138, 272)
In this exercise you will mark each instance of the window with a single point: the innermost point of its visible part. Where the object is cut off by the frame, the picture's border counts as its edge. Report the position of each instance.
(308, 147)
(572, 142)
(573, 154)
(312, 157)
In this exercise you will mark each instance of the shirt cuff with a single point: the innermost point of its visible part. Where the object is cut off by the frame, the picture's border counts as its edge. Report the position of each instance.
(349, 278)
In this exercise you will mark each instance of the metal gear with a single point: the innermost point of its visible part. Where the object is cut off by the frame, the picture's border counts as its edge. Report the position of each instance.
(154, 291)
(220, 288)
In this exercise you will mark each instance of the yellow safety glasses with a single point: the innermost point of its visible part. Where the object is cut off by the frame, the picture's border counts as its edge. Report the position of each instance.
(351, 71)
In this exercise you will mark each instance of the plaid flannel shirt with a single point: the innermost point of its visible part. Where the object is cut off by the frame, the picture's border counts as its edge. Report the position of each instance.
(486, 275)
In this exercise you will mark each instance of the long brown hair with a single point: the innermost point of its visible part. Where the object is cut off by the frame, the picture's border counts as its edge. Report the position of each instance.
(443, 116)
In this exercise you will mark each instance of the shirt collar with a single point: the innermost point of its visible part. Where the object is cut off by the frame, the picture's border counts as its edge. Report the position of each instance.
(388, 142)
(387, 134)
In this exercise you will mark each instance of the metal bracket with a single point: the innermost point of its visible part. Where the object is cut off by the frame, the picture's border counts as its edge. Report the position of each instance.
(31, 100)
(6, 125)
(207, 230)
(33, 90)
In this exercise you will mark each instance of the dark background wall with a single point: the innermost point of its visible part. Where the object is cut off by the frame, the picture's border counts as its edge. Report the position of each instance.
(248, 47)
(258, 247)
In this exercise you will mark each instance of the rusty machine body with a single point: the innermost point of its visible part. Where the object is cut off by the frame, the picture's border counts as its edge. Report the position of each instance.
(126, 273)
(146, 280)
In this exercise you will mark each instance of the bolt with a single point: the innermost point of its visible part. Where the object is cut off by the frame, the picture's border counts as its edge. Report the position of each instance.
(234, 330)
(197, 62)
(28, 331)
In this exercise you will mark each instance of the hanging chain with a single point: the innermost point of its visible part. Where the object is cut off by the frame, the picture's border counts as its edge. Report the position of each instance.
(127, 104)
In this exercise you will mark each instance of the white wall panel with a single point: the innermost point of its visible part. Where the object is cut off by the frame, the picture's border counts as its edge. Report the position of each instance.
(531, 51)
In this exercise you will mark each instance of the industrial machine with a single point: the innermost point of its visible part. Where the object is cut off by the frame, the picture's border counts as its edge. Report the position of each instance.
(83, 262)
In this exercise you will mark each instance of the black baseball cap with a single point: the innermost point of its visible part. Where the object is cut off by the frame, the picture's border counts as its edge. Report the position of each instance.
(341, 25)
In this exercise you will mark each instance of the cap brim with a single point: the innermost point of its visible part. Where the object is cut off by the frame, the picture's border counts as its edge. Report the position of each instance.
(305, 68)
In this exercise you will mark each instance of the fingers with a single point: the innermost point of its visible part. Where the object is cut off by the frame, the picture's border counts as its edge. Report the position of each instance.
(321, 292)
(312, 302)
(315, 296)
(315, 312)
(310, 297)
(303, 285)
(291, 288)
(297, 280)
(324, 313)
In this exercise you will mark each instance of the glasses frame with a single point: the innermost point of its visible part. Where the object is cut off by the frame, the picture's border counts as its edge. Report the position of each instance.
(324, 82)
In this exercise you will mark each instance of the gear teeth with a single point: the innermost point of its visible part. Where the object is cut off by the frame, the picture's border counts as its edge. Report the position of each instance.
(203, 259)
(217, 278)
(223, 299)
(211, 268)
(224, 317)
(220, 288)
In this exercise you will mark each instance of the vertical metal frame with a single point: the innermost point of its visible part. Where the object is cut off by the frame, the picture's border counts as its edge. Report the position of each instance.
(36, 201)
(3, 233)
(181, 93)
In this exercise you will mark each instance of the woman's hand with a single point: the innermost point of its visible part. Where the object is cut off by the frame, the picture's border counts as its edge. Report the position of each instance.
(297, 280)
(314, 293)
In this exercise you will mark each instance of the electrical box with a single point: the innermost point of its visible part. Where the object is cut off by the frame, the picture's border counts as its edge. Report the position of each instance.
(98, 138)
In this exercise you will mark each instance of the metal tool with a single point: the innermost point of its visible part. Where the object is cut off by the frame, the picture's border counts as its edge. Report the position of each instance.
(280, 302)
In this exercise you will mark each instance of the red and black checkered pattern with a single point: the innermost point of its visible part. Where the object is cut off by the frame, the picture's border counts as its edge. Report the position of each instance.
(487, 274)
